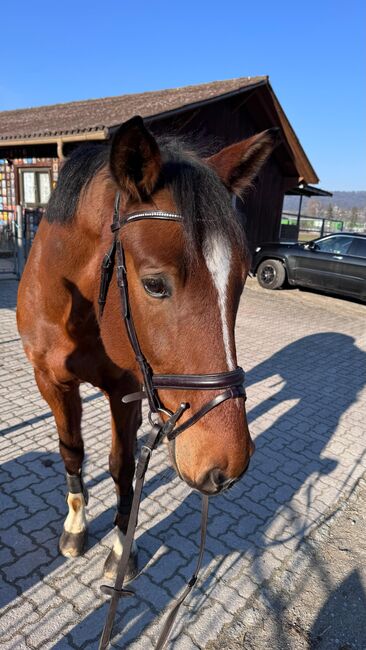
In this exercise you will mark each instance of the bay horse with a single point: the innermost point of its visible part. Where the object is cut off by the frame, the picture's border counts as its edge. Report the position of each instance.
(185, 280)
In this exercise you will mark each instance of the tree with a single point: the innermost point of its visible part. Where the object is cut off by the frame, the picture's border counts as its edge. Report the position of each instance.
(330, 211)
(354, 218)
(312, 208)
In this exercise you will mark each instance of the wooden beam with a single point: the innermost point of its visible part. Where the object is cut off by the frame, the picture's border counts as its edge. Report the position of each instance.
(60, 153)
(76, 137)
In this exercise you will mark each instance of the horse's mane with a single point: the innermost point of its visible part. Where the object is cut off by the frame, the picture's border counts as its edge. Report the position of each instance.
(198, 193)
(75, 175)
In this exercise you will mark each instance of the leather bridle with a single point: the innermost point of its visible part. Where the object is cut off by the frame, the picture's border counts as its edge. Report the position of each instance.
(230, 382)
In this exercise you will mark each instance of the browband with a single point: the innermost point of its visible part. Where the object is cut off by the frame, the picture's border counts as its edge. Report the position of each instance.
(150, 214)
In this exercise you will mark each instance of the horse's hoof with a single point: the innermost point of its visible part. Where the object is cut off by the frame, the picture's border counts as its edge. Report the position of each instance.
(72, 544)
(111, 566)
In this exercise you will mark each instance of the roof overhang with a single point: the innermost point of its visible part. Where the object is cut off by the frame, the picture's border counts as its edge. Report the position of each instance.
(307, 190)
(52, 139)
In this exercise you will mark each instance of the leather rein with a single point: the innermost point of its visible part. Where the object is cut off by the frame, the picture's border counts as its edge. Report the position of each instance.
(231, 383)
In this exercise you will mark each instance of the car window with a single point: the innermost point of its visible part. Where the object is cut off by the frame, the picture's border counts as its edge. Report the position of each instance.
(337, 245)
(358, 247)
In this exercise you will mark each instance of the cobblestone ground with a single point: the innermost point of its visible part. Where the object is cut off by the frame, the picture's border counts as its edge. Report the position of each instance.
(305, 356)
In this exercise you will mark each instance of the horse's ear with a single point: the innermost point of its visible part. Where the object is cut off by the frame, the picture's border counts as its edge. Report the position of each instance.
(135, 160)
(238, 164)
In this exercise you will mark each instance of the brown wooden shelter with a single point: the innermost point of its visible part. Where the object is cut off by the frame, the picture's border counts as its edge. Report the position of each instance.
(33, 141)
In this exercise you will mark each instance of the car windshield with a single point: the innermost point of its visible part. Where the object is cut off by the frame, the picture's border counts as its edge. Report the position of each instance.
(338, 245)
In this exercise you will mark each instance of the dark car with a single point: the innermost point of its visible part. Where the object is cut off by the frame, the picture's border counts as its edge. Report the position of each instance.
(335, 263)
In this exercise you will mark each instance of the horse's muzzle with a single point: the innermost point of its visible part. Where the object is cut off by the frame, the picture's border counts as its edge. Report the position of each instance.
(213, 482)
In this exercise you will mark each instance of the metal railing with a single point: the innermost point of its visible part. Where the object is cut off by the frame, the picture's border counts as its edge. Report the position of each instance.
(31, 221)
(17, 231)
(292, 226)
(8, 245)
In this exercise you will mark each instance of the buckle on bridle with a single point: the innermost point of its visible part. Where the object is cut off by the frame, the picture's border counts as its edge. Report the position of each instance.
(121, 275)
(169, 425)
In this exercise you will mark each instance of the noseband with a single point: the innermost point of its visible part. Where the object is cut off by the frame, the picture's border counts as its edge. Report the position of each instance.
(230, 382)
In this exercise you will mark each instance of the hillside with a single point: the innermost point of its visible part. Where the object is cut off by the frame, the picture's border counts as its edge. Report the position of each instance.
(350, 207)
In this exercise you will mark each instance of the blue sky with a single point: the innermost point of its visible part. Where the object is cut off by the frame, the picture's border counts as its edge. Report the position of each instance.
(314, 54)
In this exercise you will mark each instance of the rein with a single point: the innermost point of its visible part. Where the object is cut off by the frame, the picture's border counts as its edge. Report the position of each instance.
(231, 382)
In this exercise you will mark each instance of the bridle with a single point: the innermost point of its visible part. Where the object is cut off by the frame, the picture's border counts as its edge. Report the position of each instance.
(231, 383)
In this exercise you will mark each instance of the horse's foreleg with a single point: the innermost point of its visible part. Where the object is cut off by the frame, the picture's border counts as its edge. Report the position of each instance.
(65, 403)
(126, 419)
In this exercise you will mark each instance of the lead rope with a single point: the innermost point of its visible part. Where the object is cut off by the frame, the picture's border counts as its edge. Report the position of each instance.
(117, 592)
(165, 632)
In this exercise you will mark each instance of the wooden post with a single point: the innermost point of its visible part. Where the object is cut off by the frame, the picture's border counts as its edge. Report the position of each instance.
(298, 217)
(322, 228)
(60, 153)
(19, 241)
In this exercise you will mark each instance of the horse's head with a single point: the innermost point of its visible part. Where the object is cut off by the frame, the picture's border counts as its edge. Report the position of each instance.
(185, 281)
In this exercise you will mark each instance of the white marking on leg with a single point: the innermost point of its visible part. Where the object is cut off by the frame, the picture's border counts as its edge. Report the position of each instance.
(119, 541)
(75, 521)
(217, 253)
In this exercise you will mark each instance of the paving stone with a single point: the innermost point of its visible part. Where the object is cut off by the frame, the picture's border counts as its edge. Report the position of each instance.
(52, 623)
(209, 623)
(8, 592)
(18, 484)
(161, 596)
(40, 594)
(18, 616)
(7, 501)
(39, 520)
(25, 565)
(166, 565)
(309, 454)
(17, 642)
(89, 629)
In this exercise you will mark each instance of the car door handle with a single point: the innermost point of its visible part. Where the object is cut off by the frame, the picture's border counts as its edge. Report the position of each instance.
(338, 257)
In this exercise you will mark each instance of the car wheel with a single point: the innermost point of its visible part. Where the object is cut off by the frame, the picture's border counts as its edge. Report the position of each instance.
(271, 274)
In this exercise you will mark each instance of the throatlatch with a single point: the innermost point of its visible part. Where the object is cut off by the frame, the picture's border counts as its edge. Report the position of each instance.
(232, 384)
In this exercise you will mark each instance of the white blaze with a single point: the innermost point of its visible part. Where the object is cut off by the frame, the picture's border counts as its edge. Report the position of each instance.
(217, 253)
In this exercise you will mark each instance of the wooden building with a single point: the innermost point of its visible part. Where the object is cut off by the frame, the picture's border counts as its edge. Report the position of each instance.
(34, 141)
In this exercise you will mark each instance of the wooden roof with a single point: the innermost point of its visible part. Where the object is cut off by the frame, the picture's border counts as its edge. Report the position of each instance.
(93, 118)
(100, 114)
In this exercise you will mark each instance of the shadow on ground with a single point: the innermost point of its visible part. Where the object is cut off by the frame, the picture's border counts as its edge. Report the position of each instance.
(313, 375)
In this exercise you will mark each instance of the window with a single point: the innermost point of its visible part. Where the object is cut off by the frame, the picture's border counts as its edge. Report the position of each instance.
(35, 186)
(337, 245)
(358, 247)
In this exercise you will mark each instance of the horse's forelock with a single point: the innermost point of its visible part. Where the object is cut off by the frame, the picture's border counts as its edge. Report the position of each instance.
(201, 198)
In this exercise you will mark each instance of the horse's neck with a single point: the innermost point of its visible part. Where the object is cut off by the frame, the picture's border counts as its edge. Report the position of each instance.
(74, 250)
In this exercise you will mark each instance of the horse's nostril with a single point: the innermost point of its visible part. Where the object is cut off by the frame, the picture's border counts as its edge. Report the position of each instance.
(217, 477)
(213, 482)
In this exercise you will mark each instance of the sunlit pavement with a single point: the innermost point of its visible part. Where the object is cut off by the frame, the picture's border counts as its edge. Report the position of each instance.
(305, 358)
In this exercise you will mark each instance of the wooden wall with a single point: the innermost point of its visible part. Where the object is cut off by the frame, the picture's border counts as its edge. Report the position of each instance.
(224, 122)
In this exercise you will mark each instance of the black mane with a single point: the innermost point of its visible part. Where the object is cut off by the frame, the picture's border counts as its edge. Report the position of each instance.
(75, 176)
(198, 193)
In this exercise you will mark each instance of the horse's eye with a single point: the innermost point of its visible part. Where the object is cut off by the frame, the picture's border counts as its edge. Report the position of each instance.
(156, 287)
